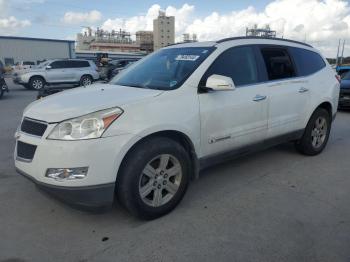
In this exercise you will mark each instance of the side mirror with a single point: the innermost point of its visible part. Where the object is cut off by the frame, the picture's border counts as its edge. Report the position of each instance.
(48, 67)
(220, 83)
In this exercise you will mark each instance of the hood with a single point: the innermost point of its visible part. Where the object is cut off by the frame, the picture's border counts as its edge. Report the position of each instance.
(84, 100)
(345, 84)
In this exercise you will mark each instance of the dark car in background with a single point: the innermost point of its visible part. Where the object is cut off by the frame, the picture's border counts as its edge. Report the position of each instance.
(115, 66)
(344, 97)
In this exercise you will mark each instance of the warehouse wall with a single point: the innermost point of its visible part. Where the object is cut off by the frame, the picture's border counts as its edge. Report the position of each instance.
(34, 50)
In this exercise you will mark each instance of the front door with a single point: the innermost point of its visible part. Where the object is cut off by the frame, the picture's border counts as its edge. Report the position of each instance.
(238, 118)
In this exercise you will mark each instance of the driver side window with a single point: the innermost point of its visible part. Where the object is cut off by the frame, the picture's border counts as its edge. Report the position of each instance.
(238, 63)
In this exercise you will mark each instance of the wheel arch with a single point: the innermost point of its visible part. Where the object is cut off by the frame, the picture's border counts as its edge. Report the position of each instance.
(175, 135)
(89, 75)
(39, 76)
(327, 106)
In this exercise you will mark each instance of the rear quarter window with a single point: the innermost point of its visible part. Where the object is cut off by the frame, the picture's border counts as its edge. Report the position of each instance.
(306, 61)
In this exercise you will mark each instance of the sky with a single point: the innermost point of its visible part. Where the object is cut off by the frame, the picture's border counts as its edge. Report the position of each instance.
(320, 23)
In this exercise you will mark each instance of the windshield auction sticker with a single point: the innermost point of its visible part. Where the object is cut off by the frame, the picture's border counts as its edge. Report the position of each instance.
(187, 57)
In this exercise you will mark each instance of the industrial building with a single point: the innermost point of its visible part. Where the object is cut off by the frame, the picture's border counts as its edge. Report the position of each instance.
(16, 49)
(105, 41)
(163, 31)
(145, 40)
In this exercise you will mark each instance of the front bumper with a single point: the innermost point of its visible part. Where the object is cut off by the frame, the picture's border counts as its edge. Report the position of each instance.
(102, 156)
(90, 198)
(18, 81)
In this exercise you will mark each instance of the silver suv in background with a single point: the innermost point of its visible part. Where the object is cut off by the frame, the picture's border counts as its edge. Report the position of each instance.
(66, 71)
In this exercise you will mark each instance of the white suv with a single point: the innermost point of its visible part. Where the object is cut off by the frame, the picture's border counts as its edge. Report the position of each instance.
(144, 136)
(64, 71)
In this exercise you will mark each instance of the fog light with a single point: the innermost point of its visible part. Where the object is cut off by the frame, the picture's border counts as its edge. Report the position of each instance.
(61, 174)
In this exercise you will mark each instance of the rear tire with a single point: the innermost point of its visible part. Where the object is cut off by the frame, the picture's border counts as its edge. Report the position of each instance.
(316, 134)
(86, 80)
(153, 178)
(36, 83)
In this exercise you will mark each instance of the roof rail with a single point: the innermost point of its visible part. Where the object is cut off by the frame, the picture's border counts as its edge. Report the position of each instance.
(257, 37)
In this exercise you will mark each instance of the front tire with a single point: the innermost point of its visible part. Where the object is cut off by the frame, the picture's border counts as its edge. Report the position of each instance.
(316, 134)
(36, 83)
(154, 178)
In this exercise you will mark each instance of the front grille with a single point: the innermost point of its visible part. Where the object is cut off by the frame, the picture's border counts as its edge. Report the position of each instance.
(25, 151)
(33, 127)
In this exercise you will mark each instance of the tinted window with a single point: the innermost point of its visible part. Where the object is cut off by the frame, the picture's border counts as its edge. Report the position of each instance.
(79, 64)
(278, 63)
(343, 72)
(28, 63)
(238, 63)
(346, 76)
(58, 64)
(307, 62)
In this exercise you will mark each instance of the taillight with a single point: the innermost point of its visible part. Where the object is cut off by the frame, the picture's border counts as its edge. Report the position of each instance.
(338, 78)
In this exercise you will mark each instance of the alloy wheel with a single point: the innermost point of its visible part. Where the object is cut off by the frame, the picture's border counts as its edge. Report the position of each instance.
(160, 180)
(37, 84)
(319, 132)
(87, 81)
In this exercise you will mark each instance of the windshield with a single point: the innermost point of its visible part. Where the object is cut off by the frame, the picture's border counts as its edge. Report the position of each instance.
(43, 64)
(166, 69)
(346, 76)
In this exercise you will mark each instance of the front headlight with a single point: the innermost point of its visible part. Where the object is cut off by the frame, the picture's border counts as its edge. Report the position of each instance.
(86, 127)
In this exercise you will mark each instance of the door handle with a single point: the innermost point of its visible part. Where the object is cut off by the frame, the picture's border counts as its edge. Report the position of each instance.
(303, 90)
(259, 98)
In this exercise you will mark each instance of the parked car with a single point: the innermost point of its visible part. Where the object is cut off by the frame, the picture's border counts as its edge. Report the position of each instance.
(342, 70)
(66, 71)
(24, 65)
(3, 85)
(344, 98)
(115, 66)
(147, 134)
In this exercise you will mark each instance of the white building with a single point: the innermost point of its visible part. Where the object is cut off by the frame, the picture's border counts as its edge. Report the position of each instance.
(163, 31)
(16, 49)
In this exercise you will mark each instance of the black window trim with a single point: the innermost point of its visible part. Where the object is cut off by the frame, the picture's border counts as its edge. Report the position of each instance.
(259, 63)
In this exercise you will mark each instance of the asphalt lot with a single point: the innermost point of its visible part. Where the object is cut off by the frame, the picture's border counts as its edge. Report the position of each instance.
(274, 205)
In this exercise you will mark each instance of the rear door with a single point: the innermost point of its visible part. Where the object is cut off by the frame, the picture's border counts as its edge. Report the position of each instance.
(237, 118)
(289, 94)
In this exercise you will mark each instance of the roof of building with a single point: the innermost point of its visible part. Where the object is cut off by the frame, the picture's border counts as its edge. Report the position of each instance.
(35, 39)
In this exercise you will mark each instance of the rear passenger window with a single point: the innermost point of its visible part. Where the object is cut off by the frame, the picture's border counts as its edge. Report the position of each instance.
(80, 64)
(307, 62)
(238, 63)
(278, 63)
